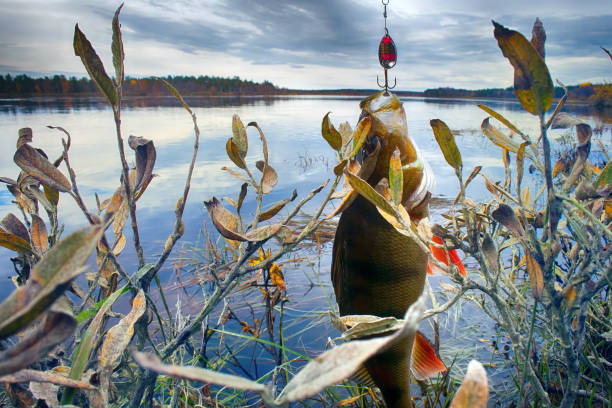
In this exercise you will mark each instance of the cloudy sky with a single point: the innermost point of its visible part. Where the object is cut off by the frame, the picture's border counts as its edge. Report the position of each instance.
(310, 44)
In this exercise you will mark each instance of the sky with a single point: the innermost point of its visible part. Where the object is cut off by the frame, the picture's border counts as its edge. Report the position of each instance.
(316, 44)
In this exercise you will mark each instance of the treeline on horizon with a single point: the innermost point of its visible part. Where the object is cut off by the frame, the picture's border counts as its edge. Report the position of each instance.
(59, 85)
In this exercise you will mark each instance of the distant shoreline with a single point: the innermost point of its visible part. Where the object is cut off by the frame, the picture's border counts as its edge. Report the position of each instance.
(59, 86)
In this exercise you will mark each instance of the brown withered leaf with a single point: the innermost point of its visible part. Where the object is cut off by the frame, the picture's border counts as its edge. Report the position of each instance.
(274, 209)
(570, 295)
(120, 245)
(39, 233)
(341, 362)
(269, 177)
(239, 136)
(232, 152)
(13, 225)
(35, 165)
(24, 136)
(564, 121)
(145, 160)
(46, 392)
(532, 82)
(535, 277)
(263, 233)
(474, 390)
(52, 377)
(27, 204)
(224, 221)
(235, 173)
(339, 168)
(48, 280)
(504, 214)
(55, 326)
(121, 216)
(538, 37)
(490, 252)
(153, 363)
(13, 242)
(8, 180)
(583, 134)
(120, 335)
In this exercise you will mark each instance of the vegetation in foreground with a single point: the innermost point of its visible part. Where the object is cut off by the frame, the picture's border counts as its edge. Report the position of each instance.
(543, 270)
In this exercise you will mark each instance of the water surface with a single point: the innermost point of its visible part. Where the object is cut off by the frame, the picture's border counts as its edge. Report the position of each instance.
(303, 161)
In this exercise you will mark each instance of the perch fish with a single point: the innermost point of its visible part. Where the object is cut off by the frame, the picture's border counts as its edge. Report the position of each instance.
(375, 269)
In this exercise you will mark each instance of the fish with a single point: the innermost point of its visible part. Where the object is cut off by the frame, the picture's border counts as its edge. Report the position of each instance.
(375, 269)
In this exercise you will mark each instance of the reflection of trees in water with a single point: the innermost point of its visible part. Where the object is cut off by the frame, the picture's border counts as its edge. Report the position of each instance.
(31, 105)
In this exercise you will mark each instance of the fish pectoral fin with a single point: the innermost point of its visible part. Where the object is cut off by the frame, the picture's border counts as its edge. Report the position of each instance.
(363, 377)
(424, 362)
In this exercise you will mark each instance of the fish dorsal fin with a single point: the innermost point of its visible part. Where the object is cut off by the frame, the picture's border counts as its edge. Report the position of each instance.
(424, 362)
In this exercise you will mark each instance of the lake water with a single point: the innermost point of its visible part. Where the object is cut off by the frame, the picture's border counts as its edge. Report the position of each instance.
(303, 161)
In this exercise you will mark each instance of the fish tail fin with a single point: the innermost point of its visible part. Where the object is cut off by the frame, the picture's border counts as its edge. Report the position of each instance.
(430, 267)
(425, 363)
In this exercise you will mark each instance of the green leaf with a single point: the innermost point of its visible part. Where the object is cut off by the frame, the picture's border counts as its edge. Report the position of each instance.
(520, 160)
(605, 178)
(360, 135)
(240, 136)
(232, 152)
(501, 118)
(94, 66)
(363, 188)
(176, 94)
(330, 133)
(532, 82)
(117, 48)
(396, 177)
(81, 353)
(500, 139)
(49, 278)
(89, 313)
(447, 144)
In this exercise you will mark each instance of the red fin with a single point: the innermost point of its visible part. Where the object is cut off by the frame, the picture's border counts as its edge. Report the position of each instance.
(430, 267)
(424, 361)
(440, 255)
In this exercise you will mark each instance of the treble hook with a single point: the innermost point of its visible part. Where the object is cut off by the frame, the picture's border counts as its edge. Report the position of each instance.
(386, 84)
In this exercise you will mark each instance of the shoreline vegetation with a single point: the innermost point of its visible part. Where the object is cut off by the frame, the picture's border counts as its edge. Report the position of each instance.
(19, 86)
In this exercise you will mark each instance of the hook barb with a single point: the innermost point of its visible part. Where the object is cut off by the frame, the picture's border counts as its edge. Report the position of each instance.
(386, 84)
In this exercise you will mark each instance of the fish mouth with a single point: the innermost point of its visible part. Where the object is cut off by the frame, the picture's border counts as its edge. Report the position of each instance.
(371, 145)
